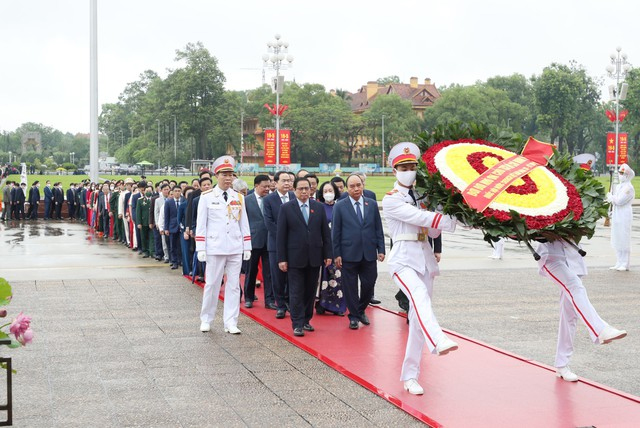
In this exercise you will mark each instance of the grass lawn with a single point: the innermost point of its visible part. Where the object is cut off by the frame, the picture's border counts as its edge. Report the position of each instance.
(378, 184)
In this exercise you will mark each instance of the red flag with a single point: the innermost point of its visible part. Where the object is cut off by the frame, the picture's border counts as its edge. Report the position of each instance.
(537, 151)
(623, 114)
(611, 115)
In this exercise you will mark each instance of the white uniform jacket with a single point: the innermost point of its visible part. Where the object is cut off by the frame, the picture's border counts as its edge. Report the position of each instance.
(222, 227)
(562, 251)
(408, 227)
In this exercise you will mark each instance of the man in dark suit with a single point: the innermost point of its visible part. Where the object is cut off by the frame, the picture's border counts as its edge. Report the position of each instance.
(358, 241)
(58, 200)
(366, 192)
(272, 204)
(71, 201)
(172, 227)
(48, 199)
(17, 199)
(254, 204)
(304, 244)
(34, 200)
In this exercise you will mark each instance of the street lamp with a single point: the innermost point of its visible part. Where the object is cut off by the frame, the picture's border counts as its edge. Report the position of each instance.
(618, 70)
(273, 59)
(175, 144)
(158, 120)
(71, 157)
(382, 161)
(9, 156)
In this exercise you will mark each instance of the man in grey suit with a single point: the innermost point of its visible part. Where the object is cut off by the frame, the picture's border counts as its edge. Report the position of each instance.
(254, 206)
(358, 241)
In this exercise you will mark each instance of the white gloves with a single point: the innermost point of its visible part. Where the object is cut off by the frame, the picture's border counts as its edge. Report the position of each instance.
(448, 223)
(202, 256)
(609, 197)
(246, 255)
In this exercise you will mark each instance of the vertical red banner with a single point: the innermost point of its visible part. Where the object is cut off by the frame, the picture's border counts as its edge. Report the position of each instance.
(285, 146)
(622, 148)
(269, 146)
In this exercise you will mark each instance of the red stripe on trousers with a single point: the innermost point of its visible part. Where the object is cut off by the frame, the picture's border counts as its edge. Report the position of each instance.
(414, 308)
(572, 301)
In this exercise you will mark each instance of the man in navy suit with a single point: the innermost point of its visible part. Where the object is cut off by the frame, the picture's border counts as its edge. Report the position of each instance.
(358, 241)
(71, 201)
(254, 204)
(48, 197)
(34, 200)
(172, 227)
(366, 192)
(304, 244)
(58, 200)
(272, 204)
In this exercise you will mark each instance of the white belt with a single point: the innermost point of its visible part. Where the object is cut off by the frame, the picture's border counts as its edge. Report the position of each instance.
(410, 237)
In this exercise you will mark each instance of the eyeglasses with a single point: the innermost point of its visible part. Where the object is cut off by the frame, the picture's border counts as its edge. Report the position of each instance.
(303, 189)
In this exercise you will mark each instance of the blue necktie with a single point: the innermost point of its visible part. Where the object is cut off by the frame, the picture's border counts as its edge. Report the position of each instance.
(359, 213)
(305, 214)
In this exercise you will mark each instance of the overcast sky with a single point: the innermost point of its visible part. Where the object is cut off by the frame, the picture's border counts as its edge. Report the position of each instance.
(44, 44)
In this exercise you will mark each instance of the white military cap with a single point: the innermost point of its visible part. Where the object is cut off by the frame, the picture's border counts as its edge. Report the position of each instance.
(403, 153)
(223, 163)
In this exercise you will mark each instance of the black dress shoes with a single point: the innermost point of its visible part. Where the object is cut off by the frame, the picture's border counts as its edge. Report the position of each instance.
(174, 266)
(280, 313)
(364, 319)
(271, 306)
(298, 332)
(353, 324)
(248, 304)
(374, 301)
(308, 327)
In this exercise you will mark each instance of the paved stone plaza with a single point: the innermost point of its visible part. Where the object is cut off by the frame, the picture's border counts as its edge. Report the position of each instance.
(117, 341)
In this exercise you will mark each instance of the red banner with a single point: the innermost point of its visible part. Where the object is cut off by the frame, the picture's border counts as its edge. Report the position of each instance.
(285, 146)
(269, 146)
(484, 189)
(611, 148)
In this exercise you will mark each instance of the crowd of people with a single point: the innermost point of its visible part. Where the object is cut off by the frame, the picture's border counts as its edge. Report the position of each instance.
(309, 245)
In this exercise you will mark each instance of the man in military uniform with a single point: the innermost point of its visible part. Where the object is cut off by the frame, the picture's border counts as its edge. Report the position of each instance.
(223, 240)
(412, 263)
(143, 209)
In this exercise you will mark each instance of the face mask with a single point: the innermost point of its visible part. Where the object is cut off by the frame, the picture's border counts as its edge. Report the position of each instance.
(112, 187)
(148, 194)
(329, 197)
(406, 178)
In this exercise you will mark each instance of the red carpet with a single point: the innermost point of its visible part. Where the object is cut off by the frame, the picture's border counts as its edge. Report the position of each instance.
(475, 386)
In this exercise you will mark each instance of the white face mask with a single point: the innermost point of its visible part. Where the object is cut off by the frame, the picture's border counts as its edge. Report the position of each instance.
(329, 196)
(112, 187)
(406, 178)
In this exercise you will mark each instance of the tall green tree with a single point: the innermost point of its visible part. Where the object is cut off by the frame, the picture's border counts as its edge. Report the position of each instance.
(194, 94)
(400, 122)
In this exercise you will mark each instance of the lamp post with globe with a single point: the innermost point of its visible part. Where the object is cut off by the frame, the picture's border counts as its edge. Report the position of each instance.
(274, 59)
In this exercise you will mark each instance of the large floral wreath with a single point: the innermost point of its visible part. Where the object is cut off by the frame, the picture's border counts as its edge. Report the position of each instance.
(557, 201)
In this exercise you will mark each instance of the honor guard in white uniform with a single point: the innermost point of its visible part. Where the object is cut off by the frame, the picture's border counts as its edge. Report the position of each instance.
(223, 240)
(412, 263)
(561, 262)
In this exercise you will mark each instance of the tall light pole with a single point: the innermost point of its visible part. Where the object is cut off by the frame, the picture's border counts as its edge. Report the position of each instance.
(93, 91)
(274, 60)
(241, 137)
(71, 157)
(618, 70)
(382, 161)
(10, 156)
(175, 145)
(158, 120)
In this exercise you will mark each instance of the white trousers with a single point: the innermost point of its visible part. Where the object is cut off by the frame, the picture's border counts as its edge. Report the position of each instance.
(125, 223)
(217, 266)
(623, 258)
(165, 248)
(423, 325)
(574, 305)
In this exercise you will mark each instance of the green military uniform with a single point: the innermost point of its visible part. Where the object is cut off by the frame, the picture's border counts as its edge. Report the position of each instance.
(143, 209)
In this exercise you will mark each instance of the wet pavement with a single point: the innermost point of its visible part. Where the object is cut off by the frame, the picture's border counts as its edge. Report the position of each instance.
(117, 341)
